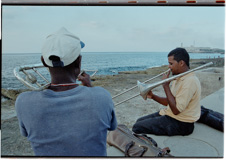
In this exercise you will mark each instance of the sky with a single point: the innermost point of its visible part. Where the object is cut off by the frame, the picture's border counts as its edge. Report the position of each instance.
(114, 28)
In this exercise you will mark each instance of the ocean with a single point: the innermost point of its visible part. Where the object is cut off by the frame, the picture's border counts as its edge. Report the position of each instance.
(107, 63)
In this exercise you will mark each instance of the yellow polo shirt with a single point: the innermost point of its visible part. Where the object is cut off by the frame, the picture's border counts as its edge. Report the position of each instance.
(187, 92)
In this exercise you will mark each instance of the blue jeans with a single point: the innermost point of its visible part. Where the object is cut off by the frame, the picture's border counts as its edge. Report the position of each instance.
(162, 125)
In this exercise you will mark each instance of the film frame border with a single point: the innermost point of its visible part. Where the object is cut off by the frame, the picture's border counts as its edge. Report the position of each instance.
(117, 2)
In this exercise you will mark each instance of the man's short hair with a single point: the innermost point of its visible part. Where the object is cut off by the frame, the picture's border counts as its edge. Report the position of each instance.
(180, 54)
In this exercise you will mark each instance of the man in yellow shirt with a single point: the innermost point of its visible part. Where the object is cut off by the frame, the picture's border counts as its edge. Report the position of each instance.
(182, 101)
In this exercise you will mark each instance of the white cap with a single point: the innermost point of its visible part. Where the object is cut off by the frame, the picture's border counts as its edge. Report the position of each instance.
(64, 45)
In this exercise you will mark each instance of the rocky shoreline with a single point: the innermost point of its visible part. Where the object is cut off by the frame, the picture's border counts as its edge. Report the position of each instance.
(13, 144)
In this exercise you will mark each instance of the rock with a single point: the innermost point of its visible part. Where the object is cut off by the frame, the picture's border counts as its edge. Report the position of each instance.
(11, 94)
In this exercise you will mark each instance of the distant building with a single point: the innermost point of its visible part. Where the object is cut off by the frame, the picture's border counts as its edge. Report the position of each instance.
(193, 49)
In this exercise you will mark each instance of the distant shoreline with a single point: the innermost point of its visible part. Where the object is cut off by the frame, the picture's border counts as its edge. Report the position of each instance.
(218, 62)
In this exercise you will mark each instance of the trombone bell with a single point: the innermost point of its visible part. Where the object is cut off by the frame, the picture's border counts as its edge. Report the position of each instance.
(141, 87)
(31, 81)
(145, 88)
(31, 78)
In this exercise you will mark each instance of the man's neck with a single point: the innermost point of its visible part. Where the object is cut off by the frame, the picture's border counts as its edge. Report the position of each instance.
(62, 87)
(63, 82)
(185, 69)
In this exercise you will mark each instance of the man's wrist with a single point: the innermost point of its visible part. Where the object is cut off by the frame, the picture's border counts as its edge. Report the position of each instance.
(88, 84)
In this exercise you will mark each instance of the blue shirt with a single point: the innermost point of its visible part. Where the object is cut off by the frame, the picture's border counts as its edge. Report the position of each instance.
(67, 123)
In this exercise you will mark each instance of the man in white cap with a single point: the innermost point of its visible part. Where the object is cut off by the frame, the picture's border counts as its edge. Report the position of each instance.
(66, 119)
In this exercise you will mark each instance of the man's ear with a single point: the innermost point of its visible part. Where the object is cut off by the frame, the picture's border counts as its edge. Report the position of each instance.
(181, 63)
(43, 62)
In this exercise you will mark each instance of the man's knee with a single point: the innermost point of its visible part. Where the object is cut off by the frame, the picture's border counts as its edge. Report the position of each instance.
(140, 119)
(136, 128)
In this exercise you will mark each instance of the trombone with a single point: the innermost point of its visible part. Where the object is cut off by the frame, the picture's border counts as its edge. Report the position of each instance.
(31, 81)
(145, 88)
(135, 87)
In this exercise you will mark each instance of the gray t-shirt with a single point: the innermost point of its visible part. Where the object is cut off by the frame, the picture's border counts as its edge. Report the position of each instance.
(67, 123)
